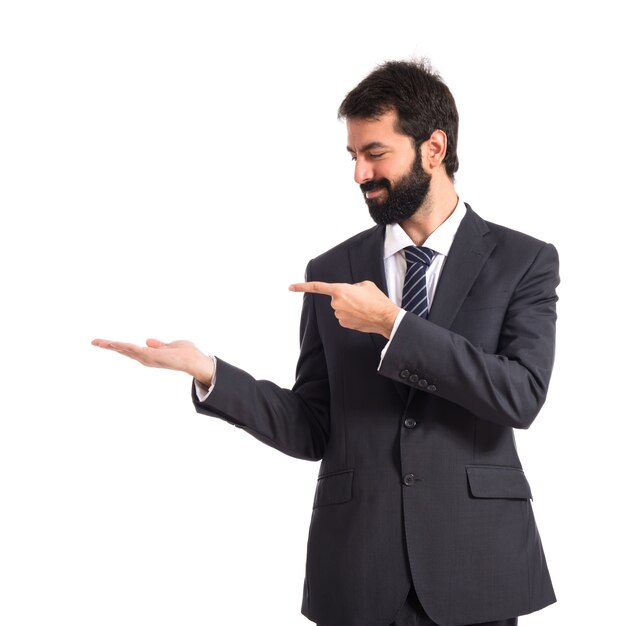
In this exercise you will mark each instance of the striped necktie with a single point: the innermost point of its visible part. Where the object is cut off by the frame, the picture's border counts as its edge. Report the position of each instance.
(414, 294)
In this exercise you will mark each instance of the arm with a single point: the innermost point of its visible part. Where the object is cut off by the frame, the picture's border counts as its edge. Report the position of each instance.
(508, 387)
(295, 421)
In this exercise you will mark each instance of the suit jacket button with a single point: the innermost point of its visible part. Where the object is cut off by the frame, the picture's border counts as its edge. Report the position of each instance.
(414, 378)
(431, 388)
(409, 480)
(422, 383)
(409, 422)
(405, 374)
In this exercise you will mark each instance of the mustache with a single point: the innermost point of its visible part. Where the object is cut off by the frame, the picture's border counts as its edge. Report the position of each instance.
(378, 183)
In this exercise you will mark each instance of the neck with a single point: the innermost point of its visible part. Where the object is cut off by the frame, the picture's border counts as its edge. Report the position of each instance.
(437, 207)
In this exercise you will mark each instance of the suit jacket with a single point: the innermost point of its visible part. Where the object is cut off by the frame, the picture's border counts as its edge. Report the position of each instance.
(420, 481)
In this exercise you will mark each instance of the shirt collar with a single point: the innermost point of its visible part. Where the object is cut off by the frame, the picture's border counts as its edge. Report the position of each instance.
(440, 240)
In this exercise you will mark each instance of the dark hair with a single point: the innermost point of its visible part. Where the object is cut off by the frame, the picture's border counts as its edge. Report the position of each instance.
(419, 96)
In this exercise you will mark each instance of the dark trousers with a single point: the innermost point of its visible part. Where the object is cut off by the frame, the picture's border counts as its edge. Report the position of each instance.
(412, 614)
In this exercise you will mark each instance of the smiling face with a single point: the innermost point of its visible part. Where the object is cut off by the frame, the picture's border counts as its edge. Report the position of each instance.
(387, 168)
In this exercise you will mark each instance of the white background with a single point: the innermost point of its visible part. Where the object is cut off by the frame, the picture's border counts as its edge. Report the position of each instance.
(167, 169)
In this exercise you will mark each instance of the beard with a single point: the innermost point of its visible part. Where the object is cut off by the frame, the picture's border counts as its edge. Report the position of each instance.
(402, 200)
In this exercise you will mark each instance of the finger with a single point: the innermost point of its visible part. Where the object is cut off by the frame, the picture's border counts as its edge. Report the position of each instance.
(100, 343)
(146, 356)
(328, 289)
(155, 343)
(126, 348)
(115, 345)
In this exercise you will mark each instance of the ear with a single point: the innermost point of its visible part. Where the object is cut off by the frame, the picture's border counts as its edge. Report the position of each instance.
(434, 150)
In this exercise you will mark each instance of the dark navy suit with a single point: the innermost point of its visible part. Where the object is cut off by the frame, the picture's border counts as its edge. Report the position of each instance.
(420, 482)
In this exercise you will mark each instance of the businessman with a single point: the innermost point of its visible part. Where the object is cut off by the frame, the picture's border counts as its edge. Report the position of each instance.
(424, 342)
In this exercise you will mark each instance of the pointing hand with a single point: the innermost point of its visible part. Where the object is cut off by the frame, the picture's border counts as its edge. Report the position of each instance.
(361, 306)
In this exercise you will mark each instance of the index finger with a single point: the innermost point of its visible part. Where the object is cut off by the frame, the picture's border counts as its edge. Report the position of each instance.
(316, 286)
(115, 345)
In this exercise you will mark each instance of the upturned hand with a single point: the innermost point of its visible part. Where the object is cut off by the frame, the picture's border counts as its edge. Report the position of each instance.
(179, 355)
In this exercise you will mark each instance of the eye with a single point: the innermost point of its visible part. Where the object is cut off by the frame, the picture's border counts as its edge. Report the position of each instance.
(377, 155)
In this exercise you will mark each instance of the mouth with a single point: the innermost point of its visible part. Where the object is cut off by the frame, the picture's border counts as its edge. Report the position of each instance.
(374, 193)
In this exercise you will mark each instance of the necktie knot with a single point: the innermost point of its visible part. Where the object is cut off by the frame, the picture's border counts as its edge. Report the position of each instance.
(418, 254)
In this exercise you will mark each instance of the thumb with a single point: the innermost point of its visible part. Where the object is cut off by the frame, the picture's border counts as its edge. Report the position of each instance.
(155, 343)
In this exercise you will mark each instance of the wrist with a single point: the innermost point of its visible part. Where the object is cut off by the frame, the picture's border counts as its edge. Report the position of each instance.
(389, 319)
(204, 370)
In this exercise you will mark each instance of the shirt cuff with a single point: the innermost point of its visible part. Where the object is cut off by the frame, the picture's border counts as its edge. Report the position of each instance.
(399, 318)
(202, 391)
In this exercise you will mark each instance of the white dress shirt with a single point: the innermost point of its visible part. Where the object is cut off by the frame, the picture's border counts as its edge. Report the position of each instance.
(396, 239)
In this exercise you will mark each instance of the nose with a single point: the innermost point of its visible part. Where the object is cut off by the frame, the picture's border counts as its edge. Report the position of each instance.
(362, 171)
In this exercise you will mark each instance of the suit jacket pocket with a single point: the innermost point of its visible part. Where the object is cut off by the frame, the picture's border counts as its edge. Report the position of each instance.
(497, 481)
(334, 488)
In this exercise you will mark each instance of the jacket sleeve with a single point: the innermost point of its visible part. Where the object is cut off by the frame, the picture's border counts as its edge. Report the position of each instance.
(294, 421)
(508, 387)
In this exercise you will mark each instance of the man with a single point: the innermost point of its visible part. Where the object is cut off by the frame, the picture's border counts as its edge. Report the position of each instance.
(424, 341)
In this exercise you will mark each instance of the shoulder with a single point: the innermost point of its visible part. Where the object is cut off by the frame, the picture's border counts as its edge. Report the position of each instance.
(513, 253)
(512, 241)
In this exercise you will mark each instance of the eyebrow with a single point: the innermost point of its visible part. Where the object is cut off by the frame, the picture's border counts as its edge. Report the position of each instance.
(369, 146)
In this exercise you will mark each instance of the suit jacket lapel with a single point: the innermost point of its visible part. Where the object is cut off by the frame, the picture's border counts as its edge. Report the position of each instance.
(367, 263)
(470, 249)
